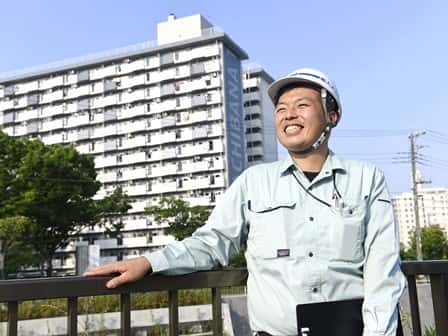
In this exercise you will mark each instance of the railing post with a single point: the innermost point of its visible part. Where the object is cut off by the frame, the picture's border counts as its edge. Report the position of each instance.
(125, 318)
(217, 312)
(12, 318)
(439, 290)
(413, 302)
(72, 316)
(173, 313)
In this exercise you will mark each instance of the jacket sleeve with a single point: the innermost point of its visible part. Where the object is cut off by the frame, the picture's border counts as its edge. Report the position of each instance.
(384, 282)
(211, 245)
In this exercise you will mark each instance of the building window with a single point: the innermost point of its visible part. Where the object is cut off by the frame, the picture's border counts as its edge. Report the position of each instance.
(179, 183)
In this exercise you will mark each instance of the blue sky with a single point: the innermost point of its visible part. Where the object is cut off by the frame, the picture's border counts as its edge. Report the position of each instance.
(388, 58)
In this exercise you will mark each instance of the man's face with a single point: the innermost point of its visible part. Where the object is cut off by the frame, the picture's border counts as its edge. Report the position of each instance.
(299, 118)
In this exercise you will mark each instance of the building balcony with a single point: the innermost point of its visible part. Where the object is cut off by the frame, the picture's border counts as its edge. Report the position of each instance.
(255, 151)
(254, 123)
(251, 96)
(14, 291)
(132, 174)
(254, 137)
(6, 105)
(83, 76)
(53, 82)
(136, 141)
(106, 243)
(8, 118)
(169, 169)
(251, 82)
(9, 91)
(134, 158)
(136, 224)
(136, 190)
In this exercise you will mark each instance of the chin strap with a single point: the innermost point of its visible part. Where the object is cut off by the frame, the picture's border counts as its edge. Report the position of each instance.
(328, 126)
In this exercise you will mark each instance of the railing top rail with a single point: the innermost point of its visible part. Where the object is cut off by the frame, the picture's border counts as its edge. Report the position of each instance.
(62, 287)
(425, 267)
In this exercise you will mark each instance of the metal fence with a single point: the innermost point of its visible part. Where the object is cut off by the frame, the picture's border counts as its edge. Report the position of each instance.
(437, 270)
(14, 291)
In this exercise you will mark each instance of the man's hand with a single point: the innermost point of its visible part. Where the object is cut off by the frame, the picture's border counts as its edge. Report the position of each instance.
(130, 270)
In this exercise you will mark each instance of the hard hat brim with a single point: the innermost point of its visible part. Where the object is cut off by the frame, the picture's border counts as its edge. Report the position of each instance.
(276, 86)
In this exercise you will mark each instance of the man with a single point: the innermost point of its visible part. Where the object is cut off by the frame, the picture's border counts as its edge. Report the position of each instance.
(317, 227)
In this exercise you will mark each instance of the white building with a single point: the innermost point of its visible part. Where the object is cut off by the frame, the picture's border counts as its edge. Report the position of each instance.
(162, 118)
(433, 209)
(259, 115)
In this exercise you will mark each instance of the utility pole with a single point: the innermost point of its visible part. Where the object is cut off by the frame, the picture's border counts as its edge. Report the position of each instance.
(415, 183)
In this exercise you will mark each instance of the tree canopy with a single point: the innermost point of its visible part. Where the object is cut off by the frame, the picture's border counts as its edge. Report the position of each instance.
(184, 219)
(53, 186)
(434, 244)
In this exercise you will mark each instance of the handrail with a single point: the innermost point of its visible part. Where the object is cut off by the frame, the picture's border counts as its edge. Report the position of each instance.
(62, 287)
(14, 291)
(438, 275)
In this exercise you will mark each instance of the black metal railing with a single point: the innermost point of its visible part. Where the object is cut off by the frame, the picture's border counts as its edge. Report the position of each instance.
(14, 291)
(437, 270)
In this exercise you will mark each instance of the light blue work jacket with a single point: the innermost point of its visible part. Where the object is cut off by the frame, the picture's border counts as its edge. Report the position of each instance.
(330, 239)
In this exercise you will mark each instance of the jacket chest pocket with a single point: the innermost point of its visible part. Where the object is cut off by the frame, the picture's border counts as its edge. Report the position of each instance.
(268, 235)
(348, 230)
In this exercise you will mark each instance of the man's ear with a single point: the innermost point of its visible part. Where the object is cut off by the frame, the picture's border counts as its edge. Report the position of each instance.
(334, 117)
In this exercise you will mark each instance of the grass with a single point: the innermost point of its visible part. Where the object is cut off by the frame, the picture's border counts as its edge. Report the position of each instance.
(111, 303)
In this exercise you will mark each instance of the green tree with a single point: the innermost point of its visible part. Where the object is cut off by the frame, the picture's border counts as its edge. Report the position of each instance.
(238, 260)
(182, 218)
(58, 184)
(434, 244)
(14, 246)
(110, 210)
(11, 153)
(52, 186)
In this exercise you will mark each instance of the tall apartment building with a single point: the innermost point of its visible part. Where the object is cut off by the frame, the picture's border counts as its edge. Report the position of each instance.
(161, 119)
(433, 209)
(259, 115)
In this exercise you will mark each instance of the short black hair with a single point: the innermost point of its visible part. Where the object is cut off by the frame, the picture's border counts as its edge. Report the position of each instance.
(332, 105)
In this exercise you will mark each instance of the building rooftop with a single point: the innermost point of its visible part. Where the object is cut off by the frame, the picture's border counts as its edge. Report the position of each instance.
(204, 32)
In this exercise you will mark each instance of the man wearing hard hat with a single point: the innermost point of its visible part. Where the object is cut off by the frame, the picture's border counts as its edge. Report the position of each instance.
(317, 227)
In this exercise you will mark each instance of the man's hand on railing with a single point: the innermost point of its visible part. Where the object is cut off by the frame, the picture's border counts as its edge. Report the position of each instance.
(129, 270)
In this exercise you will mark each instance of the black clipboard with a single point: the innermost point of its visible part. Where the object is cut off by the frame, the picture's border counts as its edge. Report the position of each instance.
(335, 318)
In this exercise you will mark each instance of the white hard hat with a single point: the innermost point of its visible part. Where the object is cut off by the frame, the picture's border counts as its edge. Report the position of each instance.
(310, 76)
